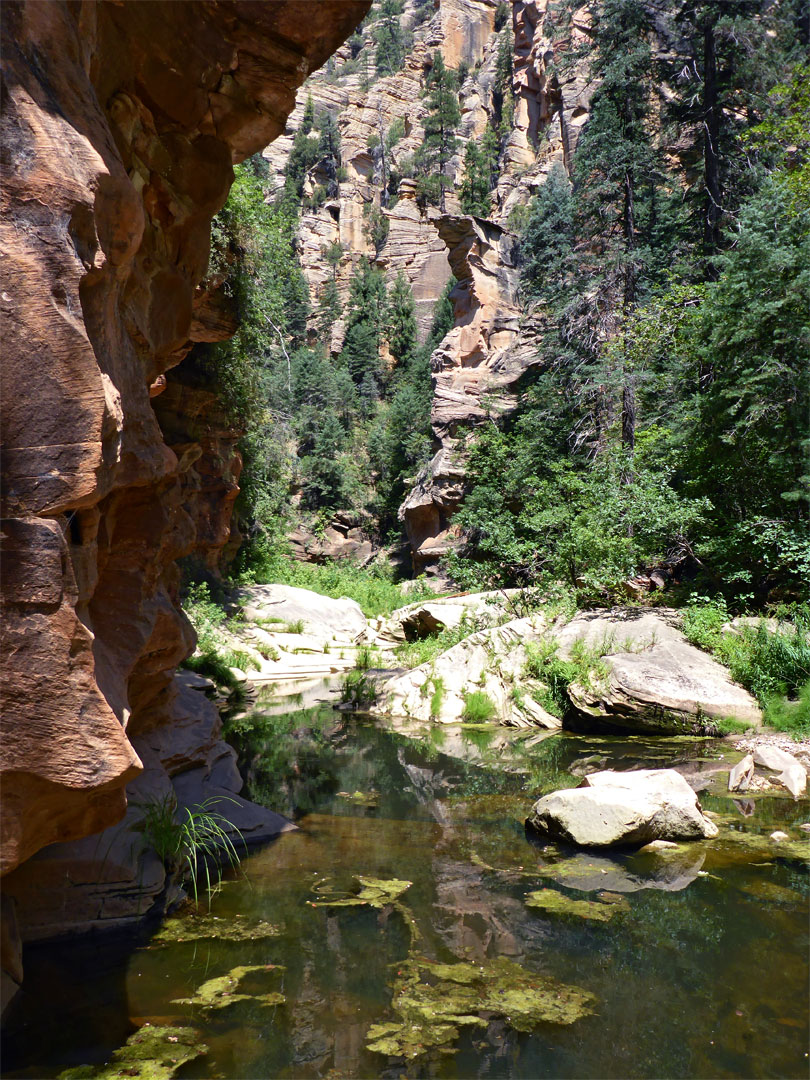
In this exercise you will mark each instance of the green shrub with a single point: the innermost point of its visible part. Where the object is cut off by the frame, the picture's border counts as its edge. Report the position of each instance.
(774, 664)
(792, 717)
(479, 708)
(357, 689)
(554, 675)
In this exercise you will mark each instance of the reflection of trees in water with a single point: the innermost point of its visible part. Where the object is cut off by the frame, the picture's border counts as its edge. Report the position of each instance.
(289, 760)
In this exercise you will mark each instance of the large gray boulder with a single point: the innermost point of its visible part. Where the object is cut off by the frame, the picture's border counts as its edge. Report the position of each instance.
(322, 616)
(656, 682)
(621, 808)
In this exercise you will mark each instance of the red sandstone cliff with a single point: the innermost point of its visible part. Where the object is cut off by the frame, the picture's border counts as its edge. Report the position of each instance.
(121, 123)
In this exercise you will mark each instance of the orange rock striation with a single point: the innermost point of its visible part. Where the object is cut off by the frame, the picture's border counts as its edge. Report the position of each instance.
(121, 124)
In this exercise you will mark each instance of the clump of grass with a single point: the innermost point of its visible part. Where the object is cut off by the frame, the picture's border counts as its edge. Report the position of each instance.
(357, 689)
(552, 675)
(479, 708)
(790, 716)
(437, 697)
(212, 657)
(296, 626)
(191, 846)
(366, 657)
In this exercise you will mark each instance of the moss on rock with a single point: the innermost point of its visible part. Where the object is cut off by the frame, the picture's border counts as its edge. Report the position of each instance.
(152, 1053)
(226, 990)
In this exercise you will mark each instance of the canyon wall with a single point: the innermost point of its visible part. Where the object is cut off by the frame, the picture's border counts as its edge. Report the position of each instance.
(477, 369)
(121, 124)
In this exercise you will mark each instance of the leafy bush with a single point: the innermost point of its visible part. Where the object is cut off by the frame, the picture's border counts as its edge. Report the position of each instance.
(357, 689)
(213, 657)
(479, 708)
(772, 662)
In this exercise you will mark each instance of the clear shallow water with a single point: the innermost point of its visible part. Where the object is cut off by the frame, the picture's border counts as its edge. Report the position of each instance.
(706, 974)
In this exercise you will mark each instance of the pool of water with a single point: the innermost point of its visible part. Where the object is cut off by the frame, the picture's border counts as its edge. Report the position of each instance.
(702, 971)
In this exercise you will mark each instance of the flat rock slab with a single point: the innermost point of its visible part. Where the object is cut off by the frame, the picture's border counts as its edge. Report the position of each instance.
(623, 808)
(322, 616)
(657, 682)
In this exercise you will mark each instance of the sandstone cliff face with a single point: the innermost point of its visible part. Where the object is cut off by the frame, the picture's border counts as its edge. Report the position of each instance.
(478, 367)
(462, 30)
(121, 124)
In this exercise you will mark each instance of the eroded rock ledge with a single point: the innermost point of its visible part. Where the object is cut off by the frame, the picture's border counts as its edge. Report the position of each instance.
(121, 125)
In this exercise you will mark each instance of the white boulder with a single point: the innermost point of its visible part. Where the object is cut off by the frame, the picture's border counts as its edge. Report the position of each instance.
(619, 808)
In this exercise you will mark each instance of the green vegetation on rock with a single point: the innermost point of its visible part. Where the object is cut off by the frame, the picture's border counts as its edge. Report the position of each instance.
(227, 990)
(556, 903)
(154, 1052)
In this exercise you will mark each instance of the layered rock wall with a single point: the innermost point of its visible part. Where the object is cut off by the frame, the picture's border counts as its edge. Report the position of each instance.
(479, 366)
(121, 124)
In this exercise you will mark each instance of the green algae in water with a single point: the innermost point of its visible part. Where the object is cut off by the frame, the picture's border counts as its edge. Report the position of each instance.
(223, 991)
(433, 1000)
(368, 799)
(180, 929)
(557, 903)
(152, 1053)
(374, 892)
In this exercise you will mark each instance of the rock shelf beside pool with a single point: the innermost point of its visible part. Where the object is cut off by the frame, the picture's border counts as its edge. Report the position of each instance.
(611, 809)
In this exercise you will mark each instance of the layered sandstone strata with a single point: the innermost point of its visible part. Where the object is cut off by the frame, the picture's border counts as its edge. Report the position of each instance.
(121, 125)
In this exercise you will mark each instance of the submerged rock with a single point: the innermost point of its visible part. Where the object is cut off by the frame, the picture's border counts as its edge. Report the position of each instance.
(212, 928)
(374, 892)
(226, 990)
(611, 808)
(556, 903)
(152, 1053)
(670, 872)
(433, 1000)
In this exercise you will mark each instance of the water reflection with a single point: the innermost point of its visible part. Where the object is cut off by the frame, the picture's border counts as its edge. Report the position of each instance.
(705, 975)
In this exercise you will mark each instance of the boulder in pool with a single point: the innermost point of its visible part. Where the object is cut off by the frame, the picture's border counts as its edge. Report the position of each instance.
(610, 809)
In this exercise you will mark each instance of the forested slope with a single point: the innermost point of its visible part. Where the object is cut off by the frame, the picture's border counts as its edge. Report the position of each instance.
(647, 164)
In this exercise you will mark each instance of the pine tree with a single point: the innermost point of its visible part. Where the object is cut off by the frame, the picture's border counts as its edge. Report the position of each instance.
(308, 119)
(329, 142)
(365, 323)
(503, 99)
(480, 174)
(401, 321)
(441, 122)
(389, 37)
(548, 237)
(329, 311)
